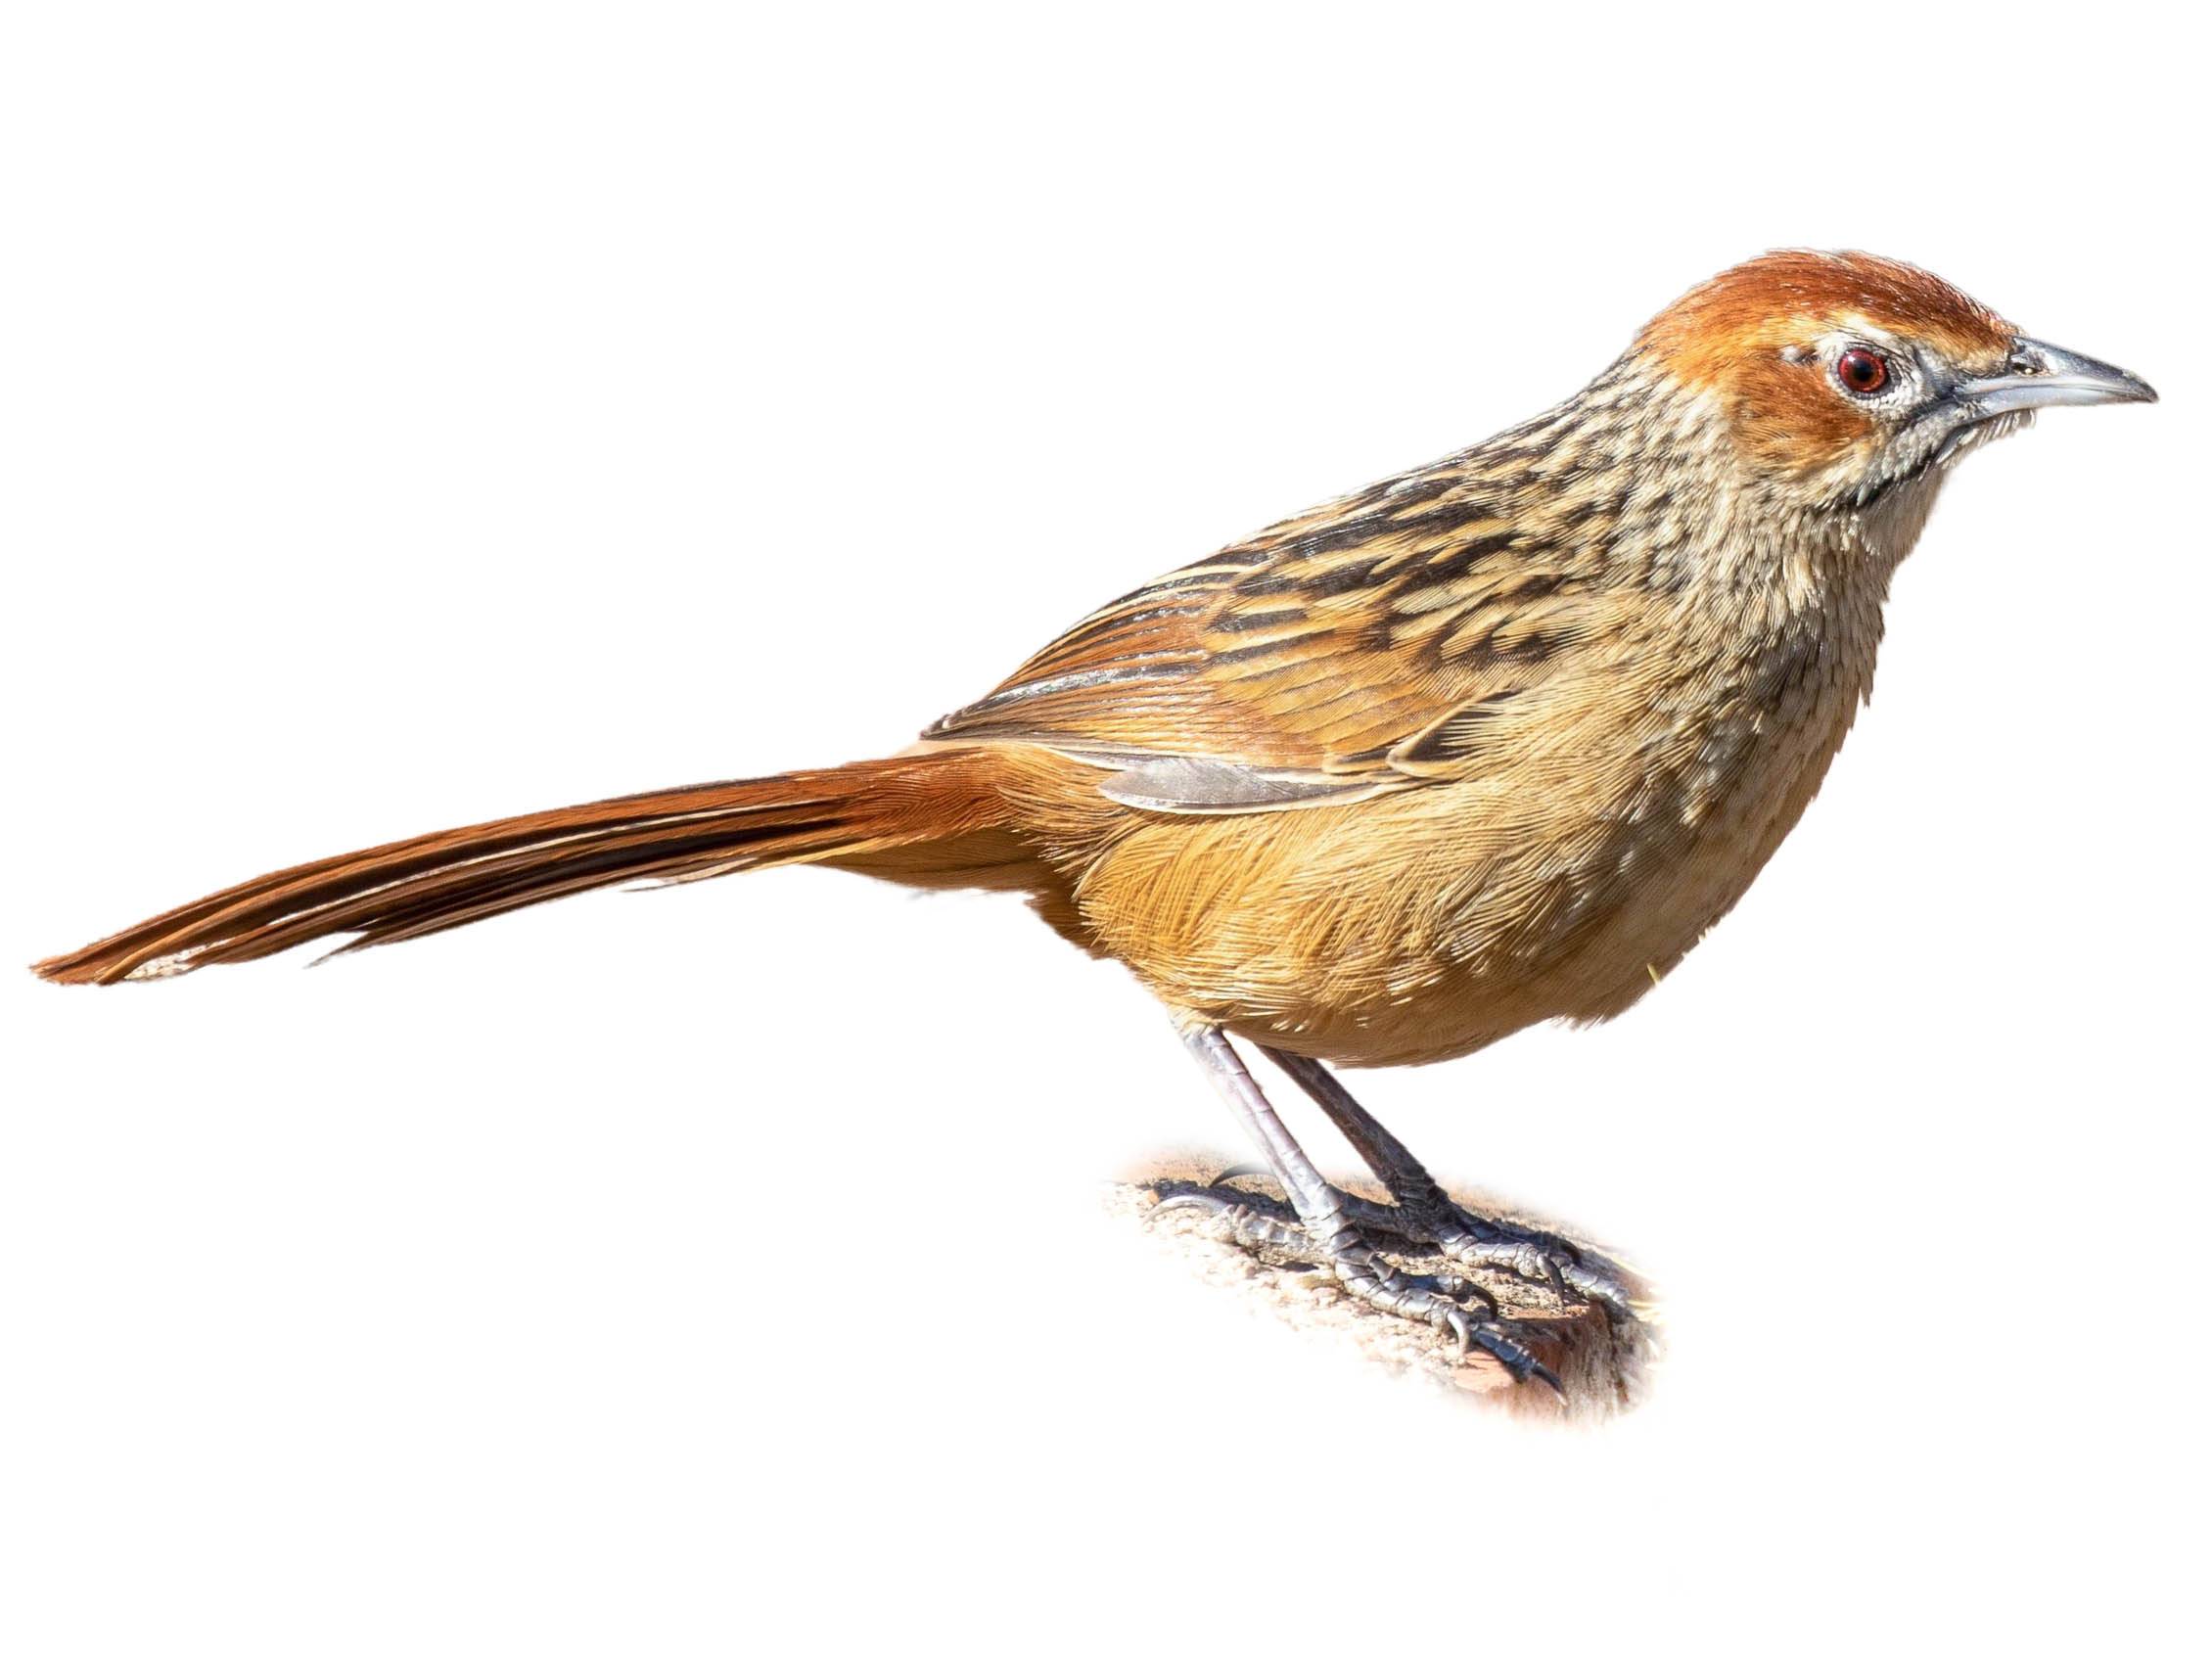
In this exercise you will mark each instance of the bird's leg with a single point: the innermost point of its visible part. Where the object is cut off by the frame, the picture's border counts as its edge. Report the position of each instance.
(1326, 1226)
(1423, 1211)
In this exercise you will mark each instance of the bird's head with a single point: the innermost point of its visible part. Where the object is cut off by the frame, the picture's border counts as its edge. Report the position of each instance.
(1841, 375)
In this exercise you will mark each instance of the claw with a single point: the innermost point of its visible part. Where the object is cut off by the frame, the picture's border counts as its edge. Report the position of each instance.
(1188, 1201)
(1234, 1172)
(1457, 1324)
(1515, 1358)
(1518, 1362)
(1460, 1290)
(1552, 1275)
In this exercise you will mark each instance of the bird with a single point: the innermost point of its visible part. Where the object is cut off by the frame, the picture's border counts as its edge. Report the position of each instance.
(1492, 742)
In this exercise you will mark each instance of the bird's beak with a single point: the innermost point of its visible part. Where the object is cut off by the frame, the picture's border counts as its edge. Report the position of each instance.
(2041, 377)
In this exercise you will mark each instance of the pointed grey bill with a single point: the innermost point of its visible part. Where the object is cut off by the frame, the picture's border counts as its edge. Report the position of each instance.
(2042, 377)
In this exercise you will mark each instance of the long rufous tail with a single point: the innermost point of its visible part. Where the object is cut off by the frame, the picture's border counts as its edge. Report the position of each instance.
(865, 813)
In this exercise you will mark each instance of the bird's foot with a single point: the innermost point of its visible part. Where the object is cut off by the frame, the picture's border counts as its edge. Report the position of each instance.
(1431, 1223)
(1456, 1308)
(1434, 1222)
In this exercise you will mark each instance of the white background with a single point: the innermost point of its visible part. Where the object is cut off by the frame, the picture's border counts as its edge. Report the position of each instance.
(415, 414)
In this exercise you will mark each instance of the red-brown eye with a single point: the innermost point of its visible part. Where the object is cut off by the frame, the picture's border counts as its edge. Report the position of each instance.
(1861, 371)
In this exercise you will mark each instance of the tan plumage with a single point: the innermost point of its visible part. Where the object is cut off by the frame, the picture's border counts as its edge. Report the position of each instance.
(1488, 743)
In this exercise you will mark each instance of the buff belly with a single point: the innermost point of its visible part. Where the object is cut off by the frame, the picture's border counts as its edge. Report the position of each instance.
(1427, 925)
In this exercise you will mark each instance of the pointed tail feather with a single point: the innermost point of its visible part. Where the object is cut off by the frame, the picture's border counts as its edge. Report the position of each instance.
(406, 889)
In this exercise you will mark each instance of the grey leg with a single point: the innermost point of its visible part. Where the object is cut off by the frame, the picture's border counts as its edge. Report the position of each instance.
(1424, 1211)
(1325, 1225)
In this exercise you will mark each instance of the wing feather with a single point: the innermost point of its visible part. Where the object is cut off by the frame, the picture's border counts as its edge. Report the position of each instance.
(1375, 643)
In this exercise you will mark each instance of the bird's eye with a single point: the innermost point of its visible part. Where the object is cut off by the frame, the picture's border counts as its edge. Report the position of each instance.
(1861, 371)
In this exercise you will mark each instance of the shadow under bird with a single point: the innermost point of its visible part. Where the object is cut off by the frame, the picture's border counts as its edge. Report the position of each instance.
(1492, 742)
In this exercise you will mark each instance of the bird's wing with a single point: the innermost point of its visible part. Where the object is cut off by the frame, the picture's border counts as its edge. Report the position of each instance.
(1378, 642)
